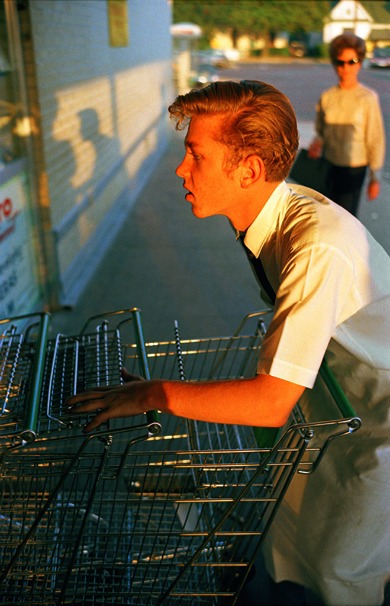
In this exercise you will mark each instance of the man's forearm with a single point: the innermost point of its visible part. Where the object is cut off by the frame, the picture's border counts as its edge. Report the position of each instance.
(260, 401)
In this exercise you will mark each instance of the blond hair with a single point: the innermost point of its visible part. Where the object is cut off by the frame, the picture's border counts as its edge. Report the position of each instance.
(258, 119)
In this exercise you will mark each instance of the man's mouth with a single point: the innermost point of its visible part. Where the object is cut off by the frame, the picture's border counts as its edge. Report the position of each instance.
(188, 194)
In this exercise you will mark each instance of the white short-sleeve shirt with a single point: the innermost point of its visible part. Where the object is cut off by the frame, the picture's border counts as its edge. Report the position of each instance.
(332, 285)
(331, 279)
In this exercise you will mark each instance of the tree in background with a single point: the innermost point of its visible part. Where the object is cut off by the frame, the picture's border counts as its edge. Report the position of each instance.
(253, 18)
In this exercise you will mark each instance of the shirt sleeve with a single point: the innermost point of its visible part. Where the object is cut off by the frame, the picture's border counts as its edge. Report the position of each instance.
(375, 135)
(319, 121)
(309, 305)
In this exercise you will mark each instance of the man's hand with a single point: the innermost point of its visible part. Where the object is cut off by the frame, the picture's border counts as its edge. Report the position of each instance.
(133, 398)
(128, 376)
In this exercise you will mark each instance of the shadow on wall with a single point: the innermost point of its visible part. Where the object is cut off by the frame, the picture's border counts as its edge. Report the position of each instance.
(93, 182)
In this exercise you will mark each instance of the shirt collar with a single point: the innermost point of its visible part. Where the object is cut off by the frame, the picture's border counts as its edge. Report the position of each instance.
(266, 220)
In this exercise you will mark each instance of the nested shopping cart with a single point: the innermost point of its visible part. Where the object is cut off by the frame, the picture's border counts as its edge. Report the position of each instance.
(38, 374)
(159, 511)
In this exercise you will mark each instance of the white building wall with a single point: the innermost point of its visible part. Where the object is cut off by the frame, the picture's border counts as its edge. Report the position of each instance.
(103, 121)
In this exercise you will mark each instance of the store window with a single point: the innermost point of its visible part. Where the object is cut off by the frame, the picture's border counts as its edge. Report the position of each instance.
(20, 291)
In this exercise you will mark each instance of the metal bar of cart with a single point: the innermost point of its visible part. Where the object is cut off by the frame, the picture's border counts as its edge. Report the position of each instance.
(339, 396)
(152, 416)
(153, 419)
(28, 428)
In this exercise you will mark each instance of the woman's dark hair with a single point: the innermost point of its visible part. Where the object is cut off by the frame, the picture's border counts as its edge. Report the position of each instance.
(347, 40)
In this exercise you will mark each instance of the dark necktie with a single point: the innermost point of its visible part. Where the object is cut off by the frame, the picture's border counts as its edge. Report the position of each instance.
(265, 436)
(259, 272)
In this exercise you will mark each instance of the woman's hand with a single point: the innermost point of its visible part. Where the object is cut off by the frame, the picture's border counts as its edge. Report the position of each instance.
(373, 190)
(315, 149)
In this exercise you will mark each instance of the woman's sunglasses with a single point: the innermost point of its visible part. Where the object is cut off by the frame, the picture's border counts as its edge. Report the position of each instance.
(341, 63)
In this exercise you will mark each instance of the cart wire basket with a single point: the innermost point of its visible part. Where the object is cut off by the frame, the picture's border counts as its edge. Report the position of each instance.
(38, 374)
(132, 515)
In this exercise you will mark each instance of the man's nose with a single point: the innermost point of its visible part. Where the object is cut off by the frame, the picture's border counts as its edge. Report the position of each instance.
(180, 170)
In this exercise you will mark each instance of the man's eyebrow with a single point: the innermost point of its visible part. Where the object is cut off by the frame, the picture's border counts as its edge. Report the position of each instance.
(189, 143)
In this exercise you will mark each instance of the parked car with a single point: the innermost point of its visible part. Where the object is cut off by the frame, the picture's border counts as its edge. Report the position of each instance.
(297, 48)
(380, 57)
(219, 58)
(203, 75)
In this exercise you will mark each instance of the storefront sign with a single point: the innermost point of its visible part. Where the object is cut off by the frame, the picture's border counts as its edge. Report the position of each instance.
(118, 22)
(19, 289)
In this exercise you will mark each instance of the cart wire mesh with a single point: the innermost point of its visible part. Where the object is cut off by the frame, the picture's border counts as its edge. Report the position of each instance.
(132, 517)
(38, 374)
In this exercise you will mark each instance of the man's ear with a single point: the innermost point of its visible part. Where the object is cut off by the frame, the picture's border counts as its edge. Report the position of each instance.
(253, 169)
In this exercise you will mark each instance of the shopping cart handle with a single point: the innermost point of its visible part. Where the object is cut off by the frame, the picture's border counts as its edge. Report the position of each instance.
(335, 390)
(154, 424)
(266, 437)
(30, 428)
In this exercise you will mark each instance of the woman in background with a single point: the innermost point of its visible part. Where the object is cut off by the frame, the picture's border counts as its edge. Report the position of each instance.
(349, 127)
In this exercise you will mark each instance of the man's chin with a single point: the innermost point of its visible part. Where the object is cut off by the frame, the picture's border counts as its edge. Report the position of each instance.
(199, 213)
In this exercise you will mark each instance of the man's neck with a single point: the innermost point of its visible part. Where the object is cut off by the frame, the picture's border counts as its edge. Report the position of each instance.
(252, 206)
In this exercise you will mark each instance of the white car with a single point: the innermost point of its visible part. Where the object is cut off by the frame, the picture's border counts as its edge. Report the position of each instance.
(380, 57)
